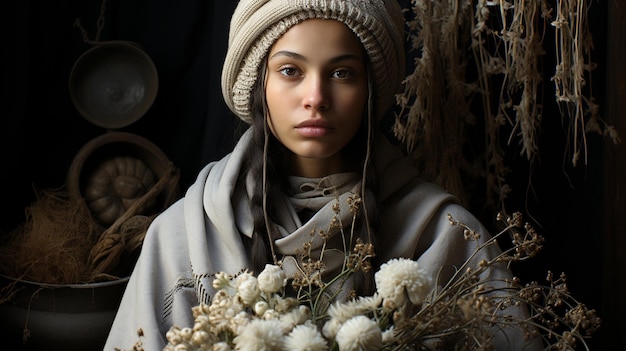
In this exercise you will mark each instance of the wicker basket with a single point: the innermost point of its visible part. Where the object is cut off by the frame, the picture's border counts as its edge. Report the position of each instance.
(98, 162)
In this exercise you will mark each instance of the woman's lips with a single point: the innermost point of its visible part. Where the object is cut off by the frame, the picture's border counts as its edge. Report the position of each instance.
(313, 128)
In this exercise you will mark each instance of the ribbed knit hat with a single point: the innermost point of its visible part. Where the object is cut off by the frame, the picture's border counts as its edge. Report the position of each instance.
(257, 24)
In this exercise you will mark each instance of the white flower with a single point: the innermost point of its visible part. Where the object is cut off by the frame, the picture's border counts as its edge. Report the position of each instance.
(270, 314)
(272, 279)
(369, 303)
(331, 327)
(296, 316)
(284, 304)
(260, 307)
(221, 281)
(348, 309)
(305, 337)
(221, 311)
(186, 333)
(237, 323)
(173, 336)
(342, 311)
(359, 334)
(248, 288)
(201, 322)
(399, 277)
(200, 337)
(259, 335)
(221, 346)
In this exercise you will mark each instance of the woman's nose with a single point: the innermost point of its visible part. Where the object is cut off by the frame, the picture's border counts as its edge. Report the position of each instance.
(315, 94)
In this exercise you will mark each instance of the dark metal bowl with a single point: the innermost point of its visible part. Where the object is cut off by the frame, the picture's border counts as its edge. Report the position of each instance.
(113, 84)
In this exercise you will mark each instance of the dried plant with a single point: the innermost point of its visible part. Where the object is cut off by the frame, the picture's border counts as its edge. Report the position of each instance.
(574, 43)
(479, 57)
(408, 311)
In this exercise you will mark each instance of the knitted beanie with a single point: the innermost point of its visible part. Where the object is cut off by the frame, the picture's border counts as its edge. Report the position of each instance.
(257, 24)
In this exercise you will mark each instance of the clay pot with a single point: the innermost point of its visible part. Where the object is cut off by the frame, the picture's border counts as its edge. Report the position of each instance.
(59, 316)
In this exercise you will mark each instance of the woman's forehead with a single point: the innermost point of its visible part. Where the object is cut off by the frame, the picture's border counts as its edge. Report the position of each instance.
(319, 36)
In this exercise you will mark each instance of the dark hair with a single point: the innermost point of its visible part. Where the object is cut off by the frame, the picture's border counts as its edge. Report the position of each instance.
(259, 246)
(276, 184)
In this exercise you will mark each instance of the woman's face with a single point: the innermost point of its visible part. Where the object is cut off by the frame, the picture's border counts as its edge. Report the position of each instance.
(316, 92)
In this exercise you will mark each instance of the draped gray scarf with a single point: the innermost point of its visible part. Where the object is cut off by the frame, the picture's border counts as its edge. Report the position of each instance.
(319, 219)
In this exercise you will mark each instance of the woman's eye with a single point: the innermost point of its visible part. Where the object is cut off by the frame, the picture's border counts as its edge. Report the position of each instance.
(342, 74)
(288, 71)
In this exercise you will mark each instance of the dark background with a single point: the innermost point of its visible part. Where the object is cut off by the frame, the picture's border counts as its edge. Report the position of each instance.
(42, 132)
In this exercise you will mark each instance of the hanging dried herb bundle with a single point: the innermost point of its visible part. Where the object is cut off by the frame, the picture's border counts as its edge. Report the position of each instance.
(573, 43)
(487, 56)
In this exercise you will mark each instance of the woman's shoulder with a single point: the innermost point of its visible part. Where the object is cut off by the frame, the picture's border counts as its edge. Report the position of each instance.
(418, 196)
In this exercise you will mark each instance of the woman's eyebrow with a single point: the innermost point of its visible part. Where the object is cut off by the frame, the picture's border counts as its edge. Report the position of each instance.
(295, 55)
(291, 54)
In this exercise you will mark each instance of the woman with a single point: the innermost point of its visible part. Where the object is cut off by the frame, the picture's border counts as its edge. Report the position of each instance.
(313, 78)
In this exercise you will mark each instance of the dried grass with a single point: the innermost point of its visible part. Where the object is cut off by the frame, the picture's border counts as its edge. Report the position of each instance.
(487, 56)
(53, 244)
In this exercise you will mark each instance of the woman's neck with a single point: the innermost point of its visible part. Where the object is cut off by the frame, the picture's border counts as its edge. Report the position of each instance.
(318, 168)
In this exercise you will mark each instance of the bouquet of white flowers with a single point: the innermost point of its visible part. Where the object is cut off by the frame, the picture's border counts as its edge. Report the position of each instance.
(253, 313)
(408, 311)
